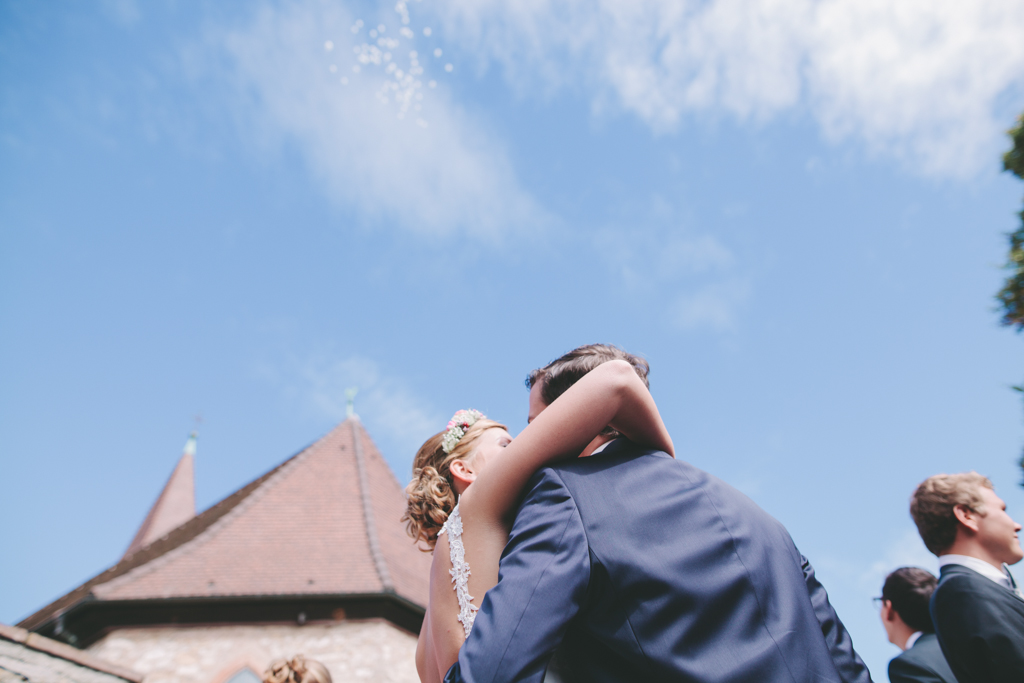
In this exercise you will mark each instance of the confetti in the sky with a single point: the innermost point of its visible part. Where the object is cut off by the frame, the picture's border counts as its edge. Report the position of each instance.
(397, 58)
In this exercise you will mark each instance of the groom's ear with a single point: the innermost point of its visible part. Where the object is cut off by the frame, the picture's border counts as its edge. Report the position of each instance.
(462, 473)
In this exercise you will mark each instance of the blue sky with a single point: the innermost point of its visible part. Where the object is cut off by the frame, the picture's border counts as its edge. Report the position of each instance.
(794, 209)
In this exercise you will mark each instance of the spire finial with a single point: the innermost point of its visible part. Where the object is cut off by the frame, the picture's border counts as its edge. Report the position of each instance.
(190, 445)
(350, 401)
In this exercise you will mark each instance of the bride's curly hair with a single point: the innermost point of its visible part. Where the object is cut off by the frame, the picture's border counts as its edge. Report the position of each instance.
(298, 669)
(431, 493)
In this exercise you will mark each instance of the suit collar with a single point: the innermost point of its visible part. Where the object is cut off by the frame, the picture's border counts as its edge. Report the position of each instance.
(622, 444)
(912, 640)
(974, 564)
(613, 446)
(948, 569)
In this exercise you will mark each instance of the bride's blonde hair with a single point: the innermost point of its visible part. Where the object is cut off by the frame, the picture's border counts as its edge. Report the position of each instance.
(298, 669)
(431, 493)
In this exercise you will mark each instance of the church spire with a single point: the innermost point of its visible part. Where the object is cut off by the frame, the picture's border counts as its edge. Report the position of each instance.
(175, 505)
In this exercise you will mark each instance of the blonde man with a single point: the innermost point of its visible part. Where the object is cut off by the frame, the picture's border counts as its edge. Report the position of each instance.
(977, 609)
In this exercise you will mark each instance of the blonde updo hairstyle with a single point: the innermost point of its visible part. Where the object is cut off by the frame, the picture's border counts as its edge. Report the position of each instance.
(298, 669)
(431, 493)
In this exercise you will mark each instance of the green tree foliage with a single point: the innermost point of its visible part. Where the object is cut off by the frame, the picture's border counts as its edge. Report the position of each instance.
(1011, 296)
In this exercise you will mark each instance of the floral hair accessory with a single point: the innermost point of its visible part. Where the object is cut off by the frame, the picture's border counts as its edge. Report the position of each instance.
(457, 427)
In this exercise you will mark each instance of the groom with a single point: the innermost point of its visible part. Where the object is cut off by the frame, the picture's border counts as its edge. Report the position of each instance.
(640, 567)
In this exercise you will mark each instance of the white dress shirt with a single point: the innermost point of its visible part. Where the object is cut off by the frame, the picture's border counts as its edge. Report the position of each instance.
(1002, 577)
(912, 639)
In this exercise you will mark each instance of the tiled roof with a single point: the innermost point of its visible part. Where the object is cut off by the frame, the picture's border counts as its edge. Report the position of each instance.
(52, 648)
(326, 521)
(175, 505)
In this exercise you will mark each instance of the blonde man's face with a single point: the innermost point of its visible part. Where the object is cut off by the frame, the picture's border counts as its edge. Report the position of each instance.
(997, 531)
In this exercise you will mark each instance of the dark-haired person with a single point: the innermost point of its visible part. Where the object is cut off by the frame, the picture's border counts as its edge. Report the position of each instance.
(904, 613)
(640, 567)
(977, 609)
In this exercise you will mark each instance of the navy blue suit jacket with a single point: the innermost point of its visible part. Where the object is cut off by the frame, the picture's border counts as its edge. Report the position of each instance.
(643, 567)
(980, 626)
(922, 663)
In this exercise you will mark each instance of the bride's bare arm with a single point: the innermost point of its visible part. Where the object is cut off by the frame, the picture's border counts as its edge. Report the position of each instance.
(426, 658)
(611, 394)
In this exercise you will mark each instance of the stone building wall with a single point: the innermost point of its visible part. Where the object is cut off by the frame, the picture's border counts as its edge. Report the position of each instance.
(353, 651)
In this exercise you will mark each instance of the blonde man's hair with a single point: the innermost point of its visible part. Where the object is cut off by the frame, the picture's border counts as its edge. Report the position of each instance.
(934, 501)
(431, 493)
(298, 669)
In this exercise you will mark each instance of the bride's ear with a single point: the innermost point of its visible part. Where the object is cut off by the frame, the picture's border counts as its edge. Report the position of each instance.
(462, 473)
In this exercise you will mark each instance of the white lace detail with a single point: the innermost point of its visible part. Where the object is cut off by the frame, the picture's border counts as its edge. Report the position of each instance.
(460, 570)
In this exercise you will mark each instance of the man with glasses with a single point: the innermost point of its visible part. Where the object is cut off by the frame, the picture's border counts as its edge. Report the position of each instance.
(904, 612)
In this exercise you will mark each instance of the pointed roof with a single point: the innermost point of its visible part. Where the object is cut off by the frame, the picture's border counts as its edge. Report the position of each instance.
(175, 505)
(326, 521)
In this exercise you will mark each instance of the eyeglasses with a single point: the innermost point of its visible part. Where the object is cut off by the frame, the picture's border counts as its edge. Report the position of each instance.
(878, 601)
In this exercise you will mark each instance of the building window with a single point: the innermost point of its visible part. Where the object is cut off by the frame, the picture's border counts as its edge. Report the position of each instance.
(245, 675)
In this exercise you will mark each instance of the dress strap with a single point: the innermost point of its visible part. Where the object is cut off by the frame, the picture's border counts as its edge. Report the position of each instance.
(460, 570)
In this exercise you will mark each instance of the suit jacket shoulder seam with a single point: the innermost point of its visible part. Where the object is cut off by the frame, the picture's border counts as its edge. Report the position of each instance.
(590, 558)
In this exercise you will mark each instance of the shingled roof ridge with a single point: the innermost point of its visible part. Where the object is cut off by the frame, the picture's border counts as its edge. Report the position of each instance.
(157, 548)
(205, 535)
(368, 517)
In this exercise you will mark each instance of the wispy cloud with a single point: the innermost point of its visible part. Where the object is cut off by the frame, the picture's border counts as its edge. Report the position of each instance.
(906, 551)
(931, 82)
(435, 171)
(693, 276)
(397, 417)
(124, 12)
(712, 306)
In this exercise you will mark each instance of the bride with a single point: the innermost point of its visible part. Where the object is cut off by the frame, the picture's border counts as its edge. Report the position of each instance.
(468, 479)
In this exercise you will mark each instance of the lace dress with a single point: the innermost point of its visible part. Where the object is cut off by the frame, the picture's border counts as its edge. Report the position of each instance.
(460, 570)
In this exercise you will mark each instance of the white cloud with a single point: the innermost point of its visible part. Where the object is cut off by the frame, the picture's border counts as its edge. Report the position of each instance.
(931, 82)
(445, 177)
(712, 306)
(920, 78)
(692, 276)
(906, 551)
(395, 415)
(124, 12)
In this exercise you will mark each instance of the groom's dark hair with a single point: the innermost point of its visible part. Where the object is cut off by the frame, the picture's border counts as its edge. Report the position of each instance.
(560, 374)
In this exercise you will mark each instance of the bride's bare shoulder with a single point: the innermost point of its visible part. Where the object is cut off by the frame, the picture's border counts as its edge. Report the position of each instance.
(441, 562)
(441, 546)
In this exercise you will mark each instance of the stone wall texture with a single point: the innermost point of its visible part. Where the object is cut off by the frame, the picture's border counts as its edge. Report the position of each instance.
(355, 651)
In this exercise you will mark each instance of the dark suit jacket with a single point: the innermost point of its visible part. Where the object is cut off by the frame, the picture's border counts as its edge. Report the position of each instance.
(645, 568)
(922, 663)
(980, 625)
